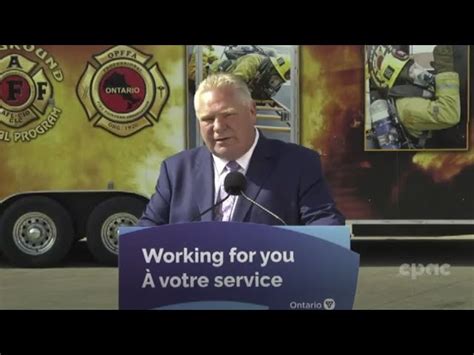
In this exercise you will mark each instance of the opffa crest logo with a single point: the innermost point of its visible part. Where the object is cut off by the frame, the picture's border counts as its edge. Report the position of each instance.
(124, 93)
(26, 93)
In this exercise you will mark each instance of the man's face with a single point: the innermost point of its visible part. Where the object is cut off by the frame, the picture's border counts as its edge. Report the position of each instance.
(226, 122)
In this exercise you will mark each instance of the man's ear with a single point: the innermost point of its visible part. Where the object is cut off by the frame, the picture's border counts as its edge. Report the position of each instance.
(253, 109)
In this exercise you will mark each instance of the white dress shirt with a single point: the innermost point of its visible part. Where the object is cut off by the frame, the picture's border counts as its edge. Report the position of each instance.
(220, 171)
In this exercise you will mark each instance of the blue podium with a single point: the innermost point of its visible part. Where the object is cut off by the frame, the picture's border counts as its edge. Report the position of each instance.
(227, 265)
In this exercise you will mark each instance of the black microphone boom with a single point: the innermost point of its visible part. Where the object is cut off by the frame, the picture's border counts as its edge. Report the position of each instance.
(263, 208)
(210, 208)
(234, 184)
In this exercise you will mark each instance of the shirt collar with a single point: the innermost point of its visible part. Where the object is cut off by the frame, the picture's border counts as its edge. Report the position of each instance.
(243, 161)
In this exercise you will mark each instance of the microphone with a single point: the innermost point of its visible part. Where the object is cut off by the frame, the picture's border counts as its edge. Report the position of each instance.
(234, 184)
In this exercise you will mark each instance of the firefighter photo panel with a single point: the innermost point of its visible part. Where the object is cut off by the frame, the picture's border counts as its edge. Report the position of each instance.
(376, 184)
(416, 97)
(270, 73)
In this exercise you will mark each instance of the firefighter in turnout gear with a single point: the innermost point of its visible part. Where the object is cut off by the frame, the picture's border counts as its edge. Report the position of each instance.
(416, 100)
(264, 74)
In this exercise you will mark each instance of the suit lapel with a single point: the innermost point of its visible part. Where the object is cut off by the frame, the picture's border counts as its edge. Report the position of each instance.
(259, 168)
(204, 183)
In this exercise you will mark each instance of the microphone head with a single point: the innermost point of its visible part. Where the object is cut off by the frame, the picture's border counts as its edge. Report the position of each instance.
(234, 183)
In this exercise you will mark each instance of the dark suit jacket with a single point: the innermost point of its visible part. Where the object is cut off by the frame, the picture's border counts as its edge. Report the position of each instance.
(285, 178)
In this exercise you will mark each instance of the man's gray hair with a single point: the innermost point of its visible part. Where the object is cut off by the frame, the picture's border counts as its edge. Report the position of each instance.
(219, 80)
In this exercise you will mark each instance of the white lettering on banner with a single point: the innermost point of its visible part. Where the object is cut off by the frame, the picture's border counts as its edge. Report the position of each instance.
(184, 280)
(216, 258)
(242, 256)
(277, 257)
(248, 281)
(148, 281)
(230, 281)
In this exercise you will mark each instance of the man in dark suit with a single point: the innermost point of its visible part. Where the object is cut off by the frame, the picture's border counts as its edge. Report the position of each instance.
(285, 178)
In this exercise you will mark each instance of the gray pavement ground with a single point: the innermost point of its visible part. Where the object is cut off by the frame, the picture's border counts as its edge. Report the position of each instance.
(395, 273)
(417, 273)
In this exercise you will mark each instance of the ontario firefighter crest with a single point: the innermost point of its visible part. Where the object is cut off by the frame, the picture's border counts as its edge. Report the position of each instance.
(123, 93)
(26, 94)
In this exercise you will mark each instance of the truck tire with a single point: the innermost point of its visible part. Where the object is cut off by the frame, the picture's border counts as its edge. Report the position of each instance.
(36, 231)
(103, 224)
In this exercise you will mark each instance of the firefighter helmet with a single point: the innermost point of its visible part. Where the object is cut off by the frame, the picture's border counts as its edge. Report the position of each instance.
(283, 66)
(271, 74)
(386, 64)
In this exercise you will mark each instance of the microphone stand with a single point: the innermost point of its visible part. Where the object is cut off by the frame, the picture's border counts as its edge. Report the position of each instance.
(263, 208)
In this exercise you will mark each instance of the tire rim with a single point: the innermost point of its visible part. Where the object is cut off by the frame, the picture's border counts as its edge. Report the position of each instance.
(110, 229)
(34, 233)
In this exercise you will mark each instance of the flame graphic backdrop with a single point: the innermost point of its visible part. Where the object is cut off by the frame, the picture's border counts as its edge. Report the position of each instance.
(366, 185)
(374, 185)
